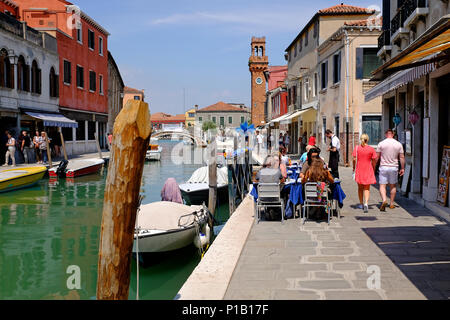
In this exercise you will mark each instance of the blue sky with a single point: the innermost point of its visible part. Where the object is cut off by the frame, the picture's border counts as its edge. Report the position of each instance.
(200, 47)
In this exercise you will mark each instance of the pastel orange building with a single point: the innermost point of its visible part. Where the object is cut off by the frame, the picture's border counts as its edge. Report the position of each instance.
(83, 54)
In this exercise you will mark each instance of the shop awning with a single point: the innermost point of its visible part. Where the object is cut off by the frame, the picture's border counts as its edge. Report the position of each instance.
(398, 80)
(297, 114)
(432, 46)
(277, 120)
(53, 119)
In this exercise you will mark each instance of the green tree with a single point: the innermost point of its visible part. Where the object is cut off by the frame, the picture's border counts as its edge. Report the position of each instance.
(208, 125)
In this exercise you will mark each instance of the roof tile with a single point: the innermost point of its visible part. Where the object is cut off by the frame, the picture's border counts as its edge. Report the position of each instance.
(344, 8)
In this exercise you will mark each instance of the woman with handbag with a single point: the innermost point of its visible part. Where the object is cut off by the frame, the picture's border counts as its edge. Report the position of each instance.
(364, 162)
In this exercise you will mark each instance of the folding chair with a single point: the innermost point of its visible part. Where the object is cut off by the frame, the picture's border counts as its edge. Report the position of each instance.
(312, 200)
(269, 195)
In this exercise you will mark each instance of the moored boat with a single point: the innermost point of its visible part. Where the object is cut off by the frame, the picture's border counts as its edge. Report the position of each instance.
(196, 190)
(154, 152)
(18, 178)
(167, 226)
(78, 168)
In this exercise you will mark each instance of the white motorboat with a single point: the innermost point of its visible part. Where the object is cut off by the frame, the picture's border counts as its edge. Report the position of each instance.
(196, 190)
(154, 152)
(167, 226)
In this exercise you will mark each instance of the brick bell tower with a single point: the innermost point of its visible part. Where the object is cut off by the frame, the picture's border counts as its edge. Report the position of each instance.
(258, 64)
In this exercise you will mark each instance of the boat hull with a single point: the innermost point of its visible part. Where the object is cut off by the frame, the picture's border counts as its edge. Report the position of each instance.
(84, 171)
(79, 172)
(153, 156)
(198, 197)
(166, 241)
(22, 182)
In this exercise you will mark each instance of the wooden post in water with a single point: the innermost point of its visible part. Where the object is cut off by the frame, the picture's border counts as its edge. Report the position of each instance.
(212, 177)
(98, 146)
(63, 144)
(49, 151)
(131, 139)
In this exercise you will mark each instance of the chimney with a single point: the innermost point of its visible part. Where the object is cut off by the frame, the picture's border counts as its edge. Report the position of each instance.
(196, 107)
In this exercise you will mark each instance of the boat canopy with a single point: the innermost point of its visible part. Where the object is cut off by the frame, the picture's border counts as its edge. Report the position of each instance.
(53, 119)
(201, 175)
(165, 215)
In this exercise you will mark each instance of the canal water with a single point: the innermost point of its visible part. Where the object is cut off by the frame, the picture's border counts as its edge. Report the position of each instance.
(56, 224)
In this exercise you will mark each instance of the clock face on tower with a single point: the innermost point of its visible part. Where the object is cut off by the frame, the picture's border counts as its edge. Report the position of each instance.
(259, 80)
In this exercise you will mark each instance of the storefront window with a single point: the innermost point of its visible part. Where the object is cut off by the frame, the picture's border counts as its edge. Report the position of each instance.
(91, 130)
(371, 125)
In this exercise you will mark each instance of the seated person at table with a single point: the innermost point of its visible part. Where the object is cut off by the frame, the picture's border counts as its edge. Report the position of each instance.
(317, 173)
(304, 156)
(270, 173)
(313, 153)
(284, 158)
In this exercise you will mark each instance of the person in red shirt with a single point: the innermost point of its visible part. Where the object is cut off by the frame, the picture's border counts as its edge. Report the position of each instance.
(312, 140)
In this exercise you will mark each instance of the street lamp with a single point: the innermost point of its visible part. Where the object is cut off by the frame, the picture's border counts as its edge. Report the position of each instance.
(13, 59)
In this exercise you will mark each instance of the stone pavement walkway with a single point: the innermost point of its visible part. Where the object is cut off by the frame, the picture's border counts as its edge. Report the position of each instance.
(289, 261)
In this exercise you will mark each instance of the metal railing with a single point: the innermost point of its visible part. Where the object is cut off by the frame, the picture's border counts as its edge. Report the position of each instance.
(397, 22)
(384, 39)
(409, 6)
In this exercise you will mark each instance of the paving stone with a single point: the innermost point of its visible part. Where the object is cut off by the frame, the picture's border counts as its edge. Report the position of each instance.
(258, 267)
(264, 284)
(324, 284)
(326, 259)
(295, 295)
(346, 266)
(326, 238)
(300, 244)
(304, 267)
(282, 259)
(292, 274)
(352, 295)
(255, 275)
(405, 295)
(265, 244)
(336, 244)
(297, 251)
(328, 275)
(337, 251)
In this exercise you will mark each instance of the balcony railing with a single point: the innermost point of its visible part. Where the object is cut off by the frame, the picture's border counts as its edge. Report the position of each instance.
(384, 39)
(397, 22)
(406, 8)
(410, 6)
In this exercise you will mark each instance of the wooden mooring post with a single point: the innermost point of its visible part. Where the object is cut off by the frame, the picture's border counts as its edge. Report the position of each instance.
(131, 139)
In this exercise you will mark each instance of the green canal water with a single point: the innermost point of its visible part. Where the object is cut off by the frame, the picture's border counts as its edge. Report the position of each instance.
(56, 224)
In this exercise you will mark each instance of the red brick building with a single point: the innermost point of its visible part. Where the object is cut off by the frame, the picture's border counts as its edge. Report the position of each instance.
(9, 7)
(83, 54)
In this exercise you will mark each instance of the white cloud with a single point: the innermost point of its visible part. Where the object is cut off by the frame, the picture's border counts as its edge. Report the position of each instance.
(279, 20)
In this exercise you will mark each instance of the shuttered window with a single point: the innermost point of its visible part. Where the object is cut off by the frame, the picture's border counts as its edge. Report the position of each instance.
(324, 75)
(371, 125)
(80, 77)
(36, 78)
(6, 71)
(92, 81)
(67, 72)
(337, 68)
(54, 84)
(366, 62)
(91, 39)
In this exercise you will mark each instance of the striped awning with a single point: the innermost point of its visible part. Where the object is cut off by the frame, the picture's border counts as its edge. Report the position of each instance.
(398, 80)
(53, 120)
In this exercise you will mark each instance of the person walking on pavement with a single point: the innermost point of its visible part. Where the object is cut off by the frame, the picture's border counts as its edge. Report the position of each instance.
(287, 142)
(25, 147)
(334, 149)
(259, 141)
(389, 151)
(364, 162)
(11, 145)
(281, 140)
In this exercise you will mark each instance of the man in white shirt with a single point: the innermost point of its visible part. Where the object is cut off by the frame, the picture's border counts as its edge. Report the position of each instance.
(259, 140)
(390, 151)
(334, 149)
